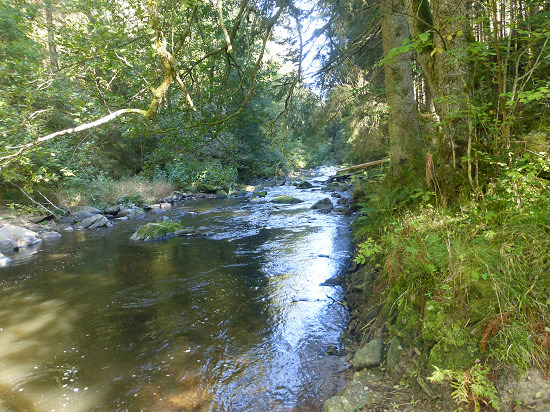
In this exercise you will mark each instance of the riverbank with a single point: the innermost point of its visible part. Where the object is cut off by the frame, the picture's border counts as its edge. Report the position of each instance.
(451, 303)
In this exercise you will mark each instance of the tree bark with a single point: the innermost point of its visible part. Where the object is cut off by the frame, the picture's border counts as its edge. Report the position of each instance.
(403, 123)
(444, 63)
(52, 47)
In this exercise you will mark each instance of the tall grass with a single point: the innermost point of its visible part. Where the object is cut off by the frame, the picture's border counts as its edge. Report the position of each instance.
(102, 191)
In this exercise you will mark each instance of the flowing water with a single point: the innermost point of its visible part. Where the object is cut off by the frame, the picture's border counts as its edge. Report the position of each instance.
(238, 319)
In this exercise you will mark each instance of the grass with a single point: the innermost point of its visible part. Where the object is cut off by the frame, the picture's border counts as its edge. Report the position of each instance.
(102, 192)
(470, 281)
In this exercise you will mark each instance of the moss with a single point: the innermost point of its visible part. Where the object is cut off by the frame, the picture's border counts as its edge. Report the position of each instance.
(454, 357)
(455, 348)
(154, 231)
(286, 199)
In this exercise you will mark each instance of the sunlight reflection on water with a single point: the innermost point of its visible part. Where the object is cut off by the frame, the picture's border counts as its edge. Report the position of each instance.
(233, 320)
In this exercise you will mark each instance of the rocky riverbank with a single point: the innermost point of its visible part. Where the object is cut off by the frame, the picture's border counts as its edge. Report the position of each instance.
(388, 372)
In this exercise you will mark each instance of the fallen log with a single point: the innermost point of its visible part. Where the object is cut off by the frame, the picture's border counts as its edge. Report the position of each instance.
(361, 166)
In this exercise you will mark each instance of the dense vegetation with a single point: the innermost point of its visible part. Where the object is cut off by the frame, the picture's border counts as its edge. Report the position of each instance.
(190, 93)
(457, 228)
(194, 95)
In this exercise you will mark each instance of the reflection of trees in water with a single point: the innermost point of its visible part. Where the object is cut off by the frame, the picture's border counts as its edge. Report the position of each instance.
(161, 325)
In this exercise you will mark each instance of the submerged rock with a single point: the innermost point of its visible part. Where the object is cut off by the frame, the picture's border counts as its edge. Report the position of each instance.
(156, 231)
(258, 195)
(323, 205)
(50, 235)
(286, 200)
(15, 237)
(185, 232)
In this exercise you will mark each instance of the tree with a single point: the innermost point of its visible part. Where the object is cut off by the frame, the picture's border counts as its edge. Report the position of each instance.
(442, 27)
(403, 124)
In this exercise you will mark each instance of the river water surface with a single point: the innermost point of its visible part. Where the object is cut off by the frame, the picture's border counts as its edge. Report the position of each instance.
(237, 319)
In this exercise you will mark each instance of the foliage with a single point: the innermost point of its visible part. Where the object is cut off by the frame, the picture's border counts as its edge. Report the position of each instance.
(471, 389)
(469, 280)
(366, 250)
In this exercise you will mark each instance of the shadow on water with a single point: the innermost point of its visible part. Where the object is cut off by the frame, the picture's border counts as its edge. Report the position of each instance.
(234, 320)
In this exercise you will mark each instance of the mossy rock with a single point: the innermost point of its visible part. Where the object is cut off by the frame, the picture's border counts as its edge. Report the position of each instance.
(454, 357)
(154, 231)
(455, 348)
(286, 200)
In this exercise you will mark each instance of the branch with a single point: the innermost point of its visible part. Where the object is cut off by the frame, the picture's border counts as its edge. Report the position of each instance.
(252, 75)
(26, 147)
(222, 24)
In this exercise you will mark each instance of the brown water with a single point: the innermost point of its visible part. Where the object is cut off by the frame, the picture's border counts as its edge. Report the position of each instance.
(235, 320)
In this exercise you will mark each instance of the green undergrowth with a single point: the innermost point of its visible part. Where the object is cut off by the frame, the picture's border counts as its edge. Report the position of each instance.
(468, 282)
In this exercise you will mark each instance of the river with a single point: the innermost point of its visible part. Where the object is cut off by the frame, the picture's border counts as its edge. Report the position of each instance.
(238, 319)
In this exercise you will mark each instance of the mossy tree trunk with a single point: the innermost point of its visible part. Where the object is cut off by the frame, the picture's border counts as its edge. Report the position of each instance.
(403, 123)
(444, 62)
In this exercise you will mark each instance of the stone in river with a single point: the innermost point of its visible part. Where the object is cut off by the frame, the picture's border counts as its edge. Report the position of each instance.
(323, 205)
(286, 200)
(14, 237)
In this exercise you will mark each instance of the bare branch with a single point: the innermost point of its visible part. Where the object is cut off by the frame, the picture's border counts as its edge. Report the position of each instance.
(25, 148)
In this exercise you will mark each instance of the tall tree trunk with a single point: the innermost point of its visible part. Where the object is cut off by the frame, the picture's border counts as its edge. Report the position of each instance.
(52, 47)
(445, 65)
(403, 124)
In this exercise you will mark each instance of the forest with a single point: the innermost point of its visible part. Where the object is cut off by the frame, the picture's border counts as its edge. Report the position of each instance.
(104, 99)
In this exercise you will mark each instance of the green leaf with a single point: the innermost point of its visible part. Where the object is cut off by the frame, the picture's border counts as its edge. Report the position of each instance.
(424, 37)
(150, 31)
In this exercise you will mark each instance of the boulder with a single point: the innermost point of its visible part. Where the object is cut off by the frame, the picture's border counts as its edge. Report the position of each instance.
(304, 185)
(221, 194)
(50, 235)
(15, 237)
(369, 355)
(133, 213)
(93, 222)
(177, 196)
(394, 353)
(241, 193)
(112, 210)
(151, 231)
(4, 260)
(85, 212)
(41, 218)
(323, 205)
(286, 200)
(6, 243)
(66, 220)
